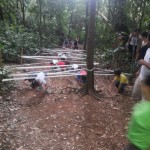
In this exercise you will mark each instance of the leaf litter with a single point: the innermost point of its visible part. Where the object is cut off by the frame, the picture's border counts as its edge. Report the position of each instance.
(61, 120)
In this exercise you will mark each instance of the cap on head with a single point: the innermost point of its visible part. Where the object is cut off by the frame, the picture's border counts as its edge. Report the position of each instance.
(75, 66)
(55, 62)
(83, 73)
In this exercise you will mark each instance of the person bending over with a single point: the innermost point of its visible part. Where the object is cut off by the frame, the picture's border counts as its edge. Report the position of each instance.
(139, 125)
(32, 77)
(39, 84)
(81, 79)
(120, 81)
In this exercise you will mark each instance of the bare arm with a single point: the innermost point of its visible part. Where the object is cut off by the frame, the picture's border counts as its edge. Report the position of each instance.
(111, 85)
(143, 62)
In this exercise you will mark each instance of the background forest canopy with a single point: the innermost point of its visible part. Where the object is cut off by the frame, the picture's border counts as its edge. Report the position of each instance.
(33, 24)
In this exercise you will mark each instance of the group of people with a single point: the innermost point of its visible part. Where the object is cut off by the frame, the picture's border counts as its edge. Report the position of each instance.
(38, 83)
(71, 44)
(137, 44)
(139, 125)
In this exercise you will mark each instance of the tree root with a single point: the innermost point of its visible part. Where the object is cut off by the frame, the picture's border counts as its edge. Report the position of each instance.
(95, 94)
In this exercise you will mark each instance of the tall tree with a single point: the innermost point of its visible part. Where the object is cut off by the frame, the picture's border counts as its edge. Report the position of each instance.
(90, 50)
(22, 5)
(1, 13)
(117, 15)
(40, 22)
(86, 22)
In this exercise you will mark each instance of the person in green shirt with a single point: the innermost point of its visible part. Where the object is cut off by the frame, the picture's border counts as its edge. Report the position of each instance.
(139, 125)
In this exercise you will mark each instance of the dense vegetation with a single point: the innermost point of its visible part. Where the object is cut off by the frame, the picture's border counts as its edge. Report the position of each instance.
(33, 24)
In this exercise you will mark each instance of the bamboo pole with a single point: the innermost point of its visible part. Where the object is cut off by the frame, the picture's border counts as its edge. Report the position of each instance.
(35, 73)
(19, 68)
(1, 60)
(33, 64)
(56, 76)
(52, 57)
(21, 56)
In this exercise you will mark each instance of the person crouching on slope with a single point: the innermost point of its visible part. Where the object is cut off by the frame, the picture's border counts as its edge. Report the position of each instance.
(81, 78)
(120, 81)
(139, 125)
(39, 84)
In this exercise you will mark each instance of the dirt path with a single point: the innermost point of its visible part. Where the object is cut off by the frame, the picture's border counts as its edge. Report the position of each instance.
(62, 120)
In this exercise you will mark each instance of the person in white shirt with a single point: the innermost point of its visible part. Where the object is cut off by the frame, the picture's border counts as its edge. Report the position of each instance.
(145, 71)
(133, 43)
(39, 82)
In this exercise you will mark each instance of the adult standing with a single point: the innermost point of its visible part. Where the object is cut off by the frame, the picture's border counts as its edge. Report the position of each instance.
(76, 43)
(133, 43)
(145, 71)
(144, 46)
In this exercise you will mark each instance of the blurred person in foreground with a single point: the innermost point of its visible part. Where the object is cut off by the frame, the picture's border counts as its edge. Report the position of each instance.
(139, 125)
(143, 72)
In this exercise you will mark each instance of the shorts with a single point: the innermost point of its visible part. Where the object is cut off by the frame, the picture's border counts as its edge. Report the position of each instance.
(81, 79)
(121, 85)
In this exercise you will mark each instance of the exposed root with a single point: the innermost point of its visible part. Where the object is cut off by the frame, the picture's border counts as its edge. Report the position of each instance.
(82, 92)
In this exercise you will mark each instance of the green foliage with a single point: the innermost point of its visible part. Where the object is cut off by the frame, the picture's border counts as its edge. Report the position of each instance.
(60, 18)
(3, 74)
(118, 58)
(15, 38)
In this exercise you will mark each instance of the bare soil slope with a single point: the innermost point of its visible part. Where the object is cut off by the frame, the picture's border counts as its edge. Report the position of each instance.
(63, 120)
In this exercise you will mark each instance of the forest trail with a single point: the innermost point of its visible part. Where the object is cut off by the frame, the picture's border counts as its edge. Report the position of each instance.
(63, 120)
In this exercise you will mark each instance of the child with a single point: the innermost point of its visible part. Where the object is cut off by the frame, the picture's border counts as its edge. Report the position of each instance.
(139, 125)
(81, 79)
(39, 83)
(120, 82)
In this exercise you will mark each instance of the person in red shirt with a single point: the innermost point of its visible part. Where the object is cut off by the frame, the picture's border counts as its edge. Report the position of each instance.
(62, 65)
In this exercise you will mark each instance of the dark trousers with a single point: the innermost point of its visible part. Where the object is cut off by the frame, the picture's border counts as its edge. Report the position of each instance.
(122, 86)
(131, 147)
(132, 50)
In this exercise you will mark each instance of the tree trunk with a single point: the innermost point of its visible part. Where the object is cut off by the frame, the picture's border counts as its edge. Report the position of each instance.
(1, 13)
(40, 23)
(143, 11)
(70, 24)
(86, 24)
(120, 17)
(90, 48)
(23, 11)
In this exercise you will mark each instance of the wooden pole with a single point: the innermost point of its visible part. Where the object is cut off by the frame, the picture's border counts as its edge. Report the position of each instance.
(1, 60)
(1, 69)
(53, 76)
(21, 56)
(20, 68)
